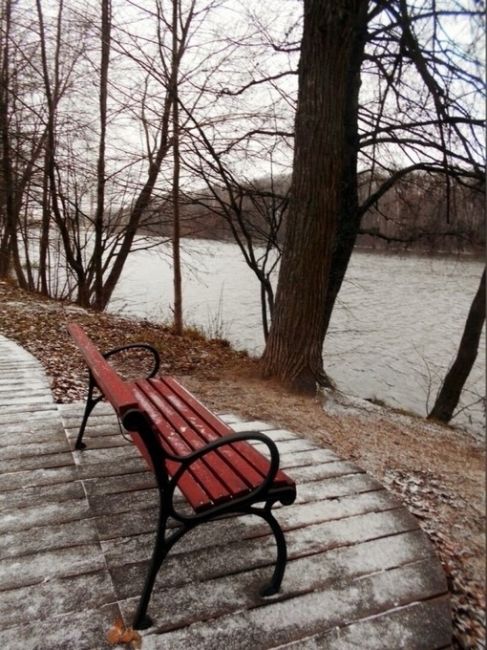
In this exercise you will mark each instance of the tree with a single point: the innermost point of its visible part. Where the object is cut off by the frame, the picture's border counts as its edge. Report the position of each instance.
(428, 126)
(8, 209)
(154, 59)
(176, 239)
(105, 34)
(332, 44)
(451, 389)
(87, 166)
(22, 138)
(415, 122)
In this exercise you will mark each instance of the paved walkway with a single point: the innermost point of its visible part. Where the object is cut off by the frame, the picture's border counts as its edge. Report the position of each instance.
(76, 533)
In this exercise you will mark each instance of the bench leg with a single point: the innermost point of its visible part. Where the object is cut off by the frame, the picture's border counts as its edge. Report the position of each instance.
(276, 580)
(162, 547)
(141, 619)
(90, 405)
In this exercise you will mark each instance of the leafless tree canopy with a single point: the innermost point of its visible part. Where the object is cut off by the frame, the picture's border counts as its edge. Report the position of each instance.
(115, 115)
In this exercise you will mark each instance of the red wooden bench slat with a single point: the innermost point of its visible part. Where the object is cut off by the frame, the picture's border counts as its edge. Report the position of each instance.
(232, 482)
(194, 493)
(239, 455)
(229, 456)
(110, 383)
(244, 449)
(196, 496)
(201, 477)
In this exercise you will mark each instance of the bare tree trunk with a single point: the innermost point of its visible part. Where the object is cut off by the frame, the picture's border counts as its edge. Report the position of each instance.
(52, 98)
(9, 243)
(140, 205)
(6, 181)
(449, 395)
(44, 239)
(176, 247)
(100, 188)
(293, 352)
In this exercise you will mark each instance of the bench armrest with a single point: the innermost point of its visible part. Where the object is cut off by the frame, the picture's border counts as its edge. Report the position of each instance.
(144, 346)
(187, 460)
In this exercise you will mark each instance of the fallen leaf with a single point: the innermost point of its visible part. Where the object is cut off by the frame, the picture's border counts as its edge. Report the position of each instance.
(119, 634)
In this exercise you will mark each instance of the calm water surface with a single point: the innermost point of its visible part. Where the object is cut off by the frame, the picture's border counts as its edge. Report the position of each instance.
(393, 335)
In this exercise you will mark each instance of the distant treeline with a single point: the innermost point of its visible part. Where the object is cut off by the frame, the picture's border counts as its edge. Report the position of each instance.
(419, 213)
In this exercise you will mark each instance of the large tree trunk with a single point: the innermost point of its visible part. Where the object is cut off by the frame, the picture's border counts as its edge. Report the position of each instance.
(293, 352)
(455, 379)
(350, 213)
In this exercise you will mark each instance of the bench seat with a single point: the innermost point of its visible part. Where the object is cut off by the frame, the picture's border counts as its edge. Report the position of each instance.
(185, 425)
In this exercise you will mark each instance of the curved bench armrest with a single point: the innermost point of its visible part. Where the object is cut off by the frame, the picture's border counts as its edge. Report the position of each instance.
(187, 460)
(144, 346)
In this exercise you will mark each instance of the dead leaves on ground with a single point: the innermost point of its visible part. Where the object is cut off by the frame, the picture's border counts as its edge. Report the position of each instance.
(118, 634)
(39, 324)
(424, 495)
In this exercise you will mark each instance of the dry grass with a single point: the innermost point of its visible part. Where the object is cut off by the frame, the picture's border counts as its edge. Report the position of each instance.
(439, 472)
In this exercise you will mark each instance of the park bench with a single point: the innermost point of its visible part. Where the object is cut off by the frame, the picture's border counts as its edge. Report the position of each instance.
(190, 451)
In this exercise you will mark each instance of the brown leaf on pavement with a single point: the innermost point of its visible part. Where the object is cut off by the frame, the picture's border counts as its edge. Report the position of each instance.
(118, 634)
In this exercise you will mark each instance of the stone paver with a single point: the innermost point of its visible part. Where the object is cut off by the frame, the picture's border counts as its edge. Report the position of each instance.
(76, 533)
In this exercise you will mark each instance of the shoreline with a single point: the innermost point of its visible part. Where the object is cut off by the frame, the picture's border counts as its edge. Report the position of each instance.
(475, 255)
(393, 335)
(354, 401)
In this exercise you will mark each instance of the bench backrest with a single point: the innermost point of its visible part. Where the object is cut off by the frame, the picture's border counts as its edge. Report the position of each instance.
(122, 398)
(118, 393)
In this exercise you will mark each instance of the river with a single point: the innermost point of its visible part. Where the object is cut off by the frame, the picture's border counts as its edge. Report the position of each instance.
(394, 331)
